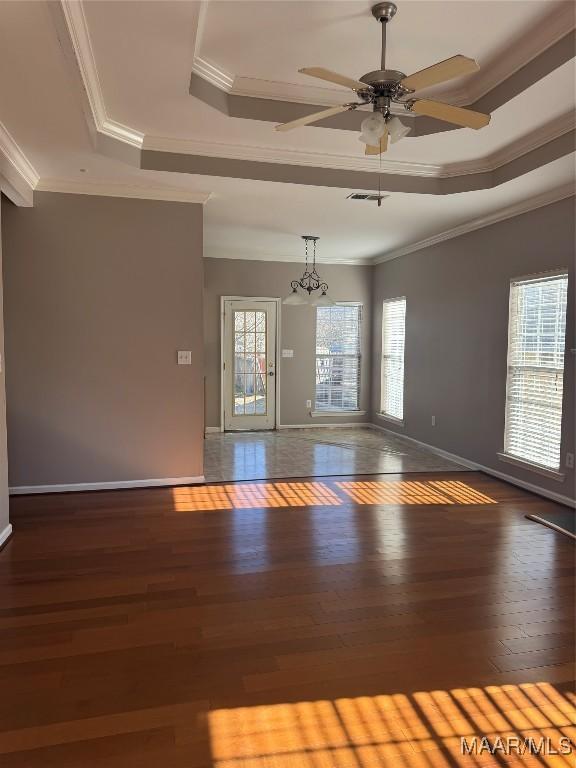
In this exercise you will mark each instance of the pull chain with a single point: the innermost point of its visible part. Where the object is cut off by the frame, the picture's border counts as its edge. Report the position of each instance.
(380, 176)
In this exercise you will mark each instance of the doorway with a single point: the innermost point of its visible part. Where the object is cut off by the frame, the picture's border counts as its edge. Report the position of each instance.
(249, 381)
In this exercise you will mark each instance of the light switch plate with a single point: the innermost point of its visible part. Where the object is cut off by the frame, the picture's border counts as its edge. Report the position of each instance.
(184, 357)
(287, 353)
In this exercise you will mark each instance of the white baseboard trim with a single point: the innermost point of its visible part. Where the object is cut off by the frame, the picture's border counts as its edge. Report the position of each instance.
(212, 430)
(552, 495)
(349, 424)
(5, 534)
(110, 486)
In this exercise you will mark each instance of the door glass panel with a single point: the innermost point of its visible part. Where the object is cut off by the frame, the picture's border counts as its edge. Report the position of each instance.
(250, 363)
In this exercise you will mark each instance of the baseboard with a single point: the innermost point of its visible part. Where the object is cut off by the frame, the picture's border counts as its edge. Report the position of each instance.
(432, 448)
(5, 534)
(552, 495)
(212, 430)
(109, 486)
(350, 424)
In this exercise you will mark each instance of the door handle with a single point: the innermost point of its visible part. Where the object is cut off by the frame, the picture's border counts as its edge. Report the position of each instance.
(270, 373)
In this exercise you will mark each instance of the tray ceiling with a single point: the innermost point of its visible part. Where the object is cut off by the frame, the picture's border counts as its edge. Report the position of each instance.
(114, 100)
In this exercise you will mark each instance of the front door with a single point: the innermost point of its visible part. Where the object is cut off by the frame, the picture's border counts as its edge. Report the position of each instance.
(249, 365)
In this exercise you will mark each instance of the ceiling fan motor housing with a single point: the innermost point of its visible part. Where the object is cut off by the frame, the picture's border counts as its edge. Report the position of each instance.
(385, 81)
(384, 88)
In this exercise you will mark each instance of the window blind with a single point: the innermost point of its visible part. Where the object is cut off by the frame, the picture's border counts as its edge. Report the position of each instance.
(393, 336)
(338, 357)
(536, 340)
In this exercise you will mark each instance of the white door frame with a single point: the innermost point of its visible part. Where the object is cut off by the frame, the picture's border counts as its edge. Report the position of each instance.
(278, 303)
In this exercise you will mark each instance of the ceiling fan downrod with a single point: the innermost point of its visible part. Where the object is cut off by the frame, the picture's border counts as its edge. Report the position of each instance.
(384, 12)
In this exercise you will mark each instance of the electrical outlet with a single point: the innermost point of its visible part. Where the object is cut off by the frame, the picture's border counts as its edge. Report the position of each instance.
(570, 460)
(433, 421)
(184, 357)
(308, 403)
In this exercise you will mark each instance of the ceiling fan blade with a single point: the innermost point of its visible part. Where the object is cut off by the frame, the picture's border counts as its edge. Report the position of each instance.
(370, 150)
(467, 118)
(439, 73)
(334, 77)
(313, 118)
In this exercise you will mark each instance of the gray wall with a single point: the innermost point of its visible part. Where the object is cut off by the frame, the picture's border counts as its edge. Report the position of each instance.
(4, 517)
(100, 294)
(230, 277)
(456, 334)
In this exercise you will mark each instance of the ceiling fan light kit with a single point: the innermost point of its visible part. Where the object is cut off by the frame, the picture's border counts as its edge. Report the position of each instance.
(373, 128)
(397, 130)
(384, 87)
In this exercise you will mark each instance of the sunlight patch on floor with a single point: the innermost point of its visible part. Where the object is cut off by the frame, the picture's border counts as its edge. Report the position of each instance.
(253, 496)
(259, 495)
(422, 730)
(413, 492)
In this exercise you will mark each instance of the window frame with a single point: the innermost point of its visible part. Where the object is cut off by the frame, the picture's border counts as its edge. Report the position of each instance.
(381, 412)
(332, 411)
(504, 454)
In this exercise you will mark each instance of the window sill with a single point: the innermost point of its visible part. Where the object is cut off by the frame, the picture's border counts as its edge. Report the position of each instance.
(319, 414)
(552, 473)
(392, 419)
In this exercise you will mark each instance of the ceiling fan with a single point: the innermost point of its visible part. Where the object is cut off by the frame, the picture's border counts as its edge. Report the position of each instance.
(383, 87)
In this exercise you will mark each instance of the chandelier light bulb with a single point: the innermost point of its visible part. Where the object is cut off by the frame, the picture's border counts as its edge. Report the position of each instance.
(294, 299)
(397, 130)
(369, 138)
(322, 301)
(373, 128)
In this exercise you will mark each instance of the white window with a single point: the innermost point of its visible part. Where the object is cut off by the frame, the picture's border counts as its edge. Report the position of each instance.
(393, 334)
(536, 338)
(338, 357)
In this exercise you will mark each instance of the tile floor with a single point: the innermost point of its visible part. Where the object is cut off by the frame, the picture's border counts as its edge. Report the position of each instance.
(314, 453)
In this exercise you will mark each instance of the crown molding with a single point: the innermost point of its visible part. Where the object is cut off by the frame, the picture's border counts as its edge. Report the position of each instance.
(114, 189)
(525, 206)
(82, 44)
(535, 139)
(213, 74)
(17, 159)
(518, 54)
(519, 147)
(18, 175)
(286, 156)
(251, 255)
(527, 47)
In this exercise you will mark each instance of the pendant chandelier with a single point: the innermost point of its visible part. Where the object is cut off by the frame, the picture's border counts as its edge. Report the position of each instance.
(310, 281)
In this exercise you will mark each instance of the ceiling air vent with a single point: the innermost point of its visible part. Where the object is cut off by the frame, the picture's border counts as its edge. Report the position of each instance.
(366, 196)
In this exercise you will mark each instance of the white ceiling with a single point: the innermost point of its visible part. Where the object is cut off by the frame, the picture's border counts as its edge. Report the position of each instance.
(144, 52)
(272, 40)
(267, 218)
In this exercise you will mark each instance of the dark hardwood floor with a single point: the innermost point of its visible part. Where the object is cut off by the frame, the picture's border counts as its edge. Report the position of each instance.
(333, 622)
